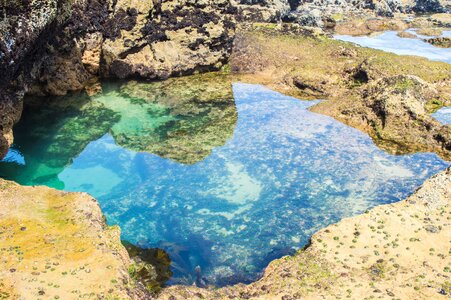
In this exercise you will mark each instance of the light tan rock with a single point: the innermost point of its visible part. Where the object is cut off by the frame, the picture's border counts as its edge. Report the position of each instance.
(55, 245)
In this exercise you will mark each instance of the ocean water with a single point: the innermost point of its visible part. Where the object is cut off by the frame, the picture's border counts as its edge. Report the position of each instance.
(389, 41)
(225, 177)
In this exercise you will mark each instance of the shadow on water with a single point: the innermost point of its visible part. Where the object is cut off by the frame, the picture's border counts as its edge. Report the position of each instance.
(182, 119)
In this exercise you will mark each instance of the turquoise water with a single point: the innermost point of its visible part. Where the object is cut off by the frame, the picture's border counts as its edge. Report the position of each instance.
(390, 42)
(443, 115)
(223, 181)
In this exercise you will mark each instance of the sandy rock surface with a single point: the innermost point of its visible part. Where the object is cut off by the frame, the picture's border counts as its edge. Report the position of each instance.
(55, 245)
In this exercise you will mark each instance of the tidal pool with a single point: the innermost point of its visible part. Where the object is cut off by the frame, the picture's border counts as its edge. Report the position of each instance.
(443, 115)
(389, 41)
(222, 179)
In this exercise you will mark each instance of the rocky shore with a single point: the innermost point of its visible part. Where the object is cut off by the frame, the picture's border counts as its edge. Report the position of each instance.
(54, 47)
(388, 96)
(56, 245)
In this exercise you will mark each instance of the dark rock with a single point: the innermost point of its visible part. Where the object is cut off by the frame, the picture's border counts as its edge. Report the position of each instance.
(428, 6)
(443, 42)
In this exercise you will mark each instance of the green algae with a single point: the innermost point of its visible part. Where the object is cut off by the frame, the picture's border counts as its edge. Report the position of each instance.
(182, 119)
(189, 117)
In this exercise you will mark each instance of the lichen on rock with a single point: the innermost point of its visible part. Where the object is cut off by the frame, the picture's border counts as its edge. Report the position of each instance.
(398, 250)
(56, 245)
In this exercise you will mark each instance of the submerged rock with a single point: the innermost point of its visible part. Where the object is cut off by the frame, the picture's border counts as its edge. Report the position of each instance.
(204, 115)
(381, 253)
(151, 266)
(182, 119)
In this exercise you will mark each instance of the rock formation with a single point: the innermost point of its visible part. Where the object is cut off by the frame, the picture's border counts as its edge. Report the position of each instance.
(63, 47)
(443, 42)
(52, 47)
(56, 245)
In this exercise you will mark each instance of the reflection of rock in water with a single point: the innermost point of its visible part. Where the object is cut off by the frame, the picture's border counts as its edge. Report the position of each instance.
(53, 131)
(190, 116)
(182, 119)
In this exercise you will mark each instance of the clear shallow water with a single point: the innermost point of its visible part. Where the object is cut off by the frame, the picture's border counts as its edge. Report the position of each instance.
(390, 42)
(443, 115)
(229, 193)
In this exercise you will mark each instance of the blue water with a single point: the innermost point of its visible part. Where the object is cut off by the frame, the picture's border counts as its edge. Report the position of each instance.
(282, 174)
(443, 115)
(390, 42)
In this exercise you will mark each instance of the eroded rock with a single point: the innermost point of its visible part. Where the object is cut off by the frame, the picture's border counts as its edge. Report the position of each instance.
(443, 42)
(366, 88)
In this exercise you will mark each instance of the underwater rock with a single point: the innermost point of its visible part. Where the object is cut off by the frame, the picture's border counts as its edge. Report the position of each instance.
(151, 266)
(203, 111)
(380, 253)
(182, 119)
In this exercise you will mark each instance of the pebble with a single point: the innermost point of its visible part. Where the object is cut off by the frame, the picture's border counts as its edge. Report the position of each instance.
(431, 228)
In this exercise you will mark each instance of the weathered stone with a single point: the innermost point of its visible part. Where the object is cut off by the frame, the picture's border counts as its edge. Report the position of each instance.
(443, 42)
(388, 261)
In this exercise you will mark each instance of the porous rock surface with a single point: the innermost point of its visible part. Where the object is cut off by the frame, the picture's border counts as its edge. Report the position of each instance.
(55, 245)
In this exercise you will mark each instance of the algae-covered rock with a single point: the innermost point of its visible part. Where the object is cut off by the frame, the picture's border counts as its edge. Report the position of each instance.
(55, 245)
(349, 76)
(443, 42)
(182, 119)
(197, 114)
(399, 113)
(151, 266)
